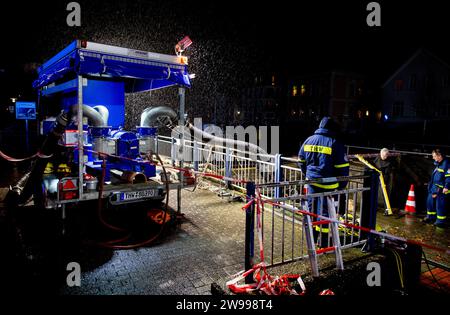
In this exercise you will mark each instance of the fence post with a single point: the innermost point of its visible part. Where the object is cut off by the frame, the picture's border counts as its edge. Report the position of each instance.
(249, 231)
(196, 156)
(172, 150)
(370, 207)
(277, 174)
(156, 148)
(228, 166)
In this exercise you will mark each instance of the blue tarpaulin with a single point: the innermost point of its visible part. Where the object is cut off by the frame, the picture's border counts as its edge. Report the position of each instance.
(139, 74)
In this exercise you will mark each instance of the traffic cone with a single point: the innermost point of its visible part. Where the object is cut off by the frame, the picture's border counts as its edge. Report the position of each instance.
(410, 207)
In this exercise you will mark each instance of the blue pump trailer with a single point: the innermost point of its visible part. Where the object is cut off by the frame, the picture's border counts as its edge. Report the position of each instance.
(90, 79)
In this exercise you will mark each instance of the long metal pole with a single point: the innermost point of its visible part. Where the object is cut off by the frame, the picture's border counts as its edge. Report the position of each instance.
(80, 136)
(181, 122)
(27, 142)
(249, 231)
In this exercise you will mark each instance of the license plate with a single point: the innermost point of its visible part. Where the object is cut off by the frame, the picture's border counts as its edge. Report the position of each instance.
(138, 194)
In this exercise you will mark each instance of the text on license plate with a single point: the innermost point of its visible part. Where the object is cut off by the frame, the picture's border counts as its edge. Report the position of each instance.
(138, 194)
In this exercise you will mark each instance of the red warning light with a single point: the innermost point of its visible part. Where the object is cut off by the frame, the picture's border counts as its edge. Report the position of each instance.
(69, 195)
(69, 185)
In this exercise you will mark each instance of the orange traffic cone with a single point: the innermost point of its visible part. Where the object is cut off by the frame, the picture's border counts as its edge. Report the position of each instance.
(410, 207)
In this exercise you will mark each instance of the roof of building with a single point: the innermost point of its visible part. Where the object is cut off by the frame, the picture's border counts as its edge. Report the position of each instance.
(418, 52)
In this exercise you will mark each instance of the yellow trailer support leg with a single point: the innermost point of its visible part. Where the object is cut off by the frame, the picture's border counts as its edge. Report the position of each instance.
(388, 210)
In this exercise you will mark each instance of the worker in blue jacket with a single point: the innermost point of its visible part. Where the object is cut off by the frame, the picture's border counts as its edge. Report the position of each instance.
(438, 190)
(322, 156)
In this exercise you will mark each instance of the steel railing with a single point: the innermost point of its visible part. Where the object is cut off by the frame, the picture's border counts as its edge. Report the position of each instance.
(282, 226)
(279, 179)
(233, 163)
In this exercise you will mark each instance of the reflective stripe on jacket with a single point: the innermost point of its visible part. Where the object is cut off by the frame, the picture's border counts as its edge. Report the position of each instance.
(322, 156)
(440, 178)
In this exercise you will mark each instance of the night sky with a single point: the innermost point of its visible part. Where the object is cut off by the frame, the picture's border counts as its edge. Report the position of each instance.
(233, 40)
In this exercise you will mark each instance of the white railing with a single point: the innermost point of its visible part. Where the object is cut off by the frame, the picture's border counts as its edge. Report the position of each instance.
(234, 163)
(282, 228)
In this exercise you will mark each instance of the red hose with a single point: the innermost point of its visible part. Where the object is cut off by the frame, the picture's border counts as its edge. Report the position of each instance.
(111, 244)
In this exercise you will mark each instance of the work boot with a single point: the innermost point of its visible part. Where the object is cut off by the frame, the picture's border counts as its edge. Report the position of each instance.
(440, 224)
(428, 220)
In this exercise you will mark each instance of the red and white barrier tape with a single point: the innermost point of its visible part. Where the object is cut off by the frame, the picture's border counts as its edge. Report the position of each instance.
(281, 285)
(326, 292)
(264, 282)
(361, 228)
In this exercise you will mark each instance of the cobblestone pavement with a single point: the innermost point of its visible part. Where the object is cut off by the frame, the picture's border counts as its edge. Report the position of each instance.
(207, 247)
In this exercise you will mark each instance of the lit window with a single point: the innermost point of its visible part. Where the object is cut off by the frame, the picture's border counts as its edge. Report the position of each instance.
(302, 89)
(273, 80)
(379, 114)
(294, 90)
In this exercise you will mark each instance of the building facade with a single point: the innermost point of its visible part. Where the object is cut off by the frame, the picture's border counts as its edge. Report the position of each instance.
(338, 94)
(418, 91)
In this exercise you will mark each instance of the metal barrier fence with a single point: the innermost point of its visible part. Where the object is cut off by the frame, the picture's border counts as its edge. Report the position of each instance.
(278, 179)
(282, 228)
(234, 163)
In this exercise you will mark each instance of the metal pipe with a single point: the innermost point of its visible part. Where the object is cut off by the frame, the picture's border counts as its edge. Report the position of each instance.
(164, 115)
(181, 98)
(161, 115)
(104, 112)
(130, 176)
(316, 180)
(249, 231)
(214, 140)
(95, 117)
(29, 184)
(80, 111)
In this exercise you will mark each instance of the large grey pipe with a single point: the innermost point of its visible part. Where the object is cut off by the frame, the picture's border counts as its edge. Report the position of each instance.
(104, 112)
(214, 140)
(94, 117)
(155, 116)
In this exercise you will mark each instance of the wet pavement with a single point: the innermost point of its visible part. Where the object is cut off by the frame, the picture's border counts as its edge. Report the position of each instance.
(411, 227)
(207, 247)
